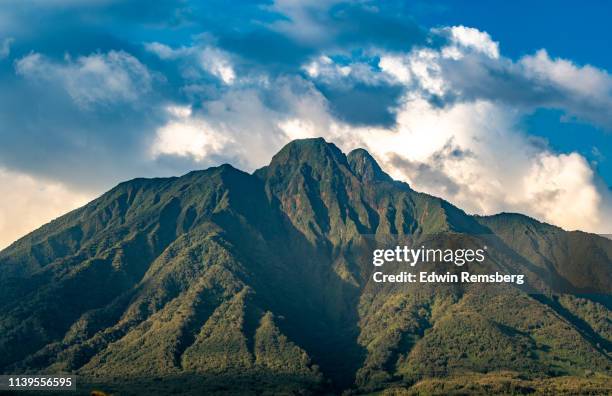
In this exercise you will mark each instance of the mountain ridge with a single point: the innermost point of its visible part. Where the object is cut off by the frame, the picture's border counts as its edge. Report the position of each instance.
(376, 170)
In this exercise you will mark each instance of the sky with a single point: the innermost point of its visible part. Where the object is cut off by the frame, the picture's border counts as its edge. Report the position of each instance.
(495, 106)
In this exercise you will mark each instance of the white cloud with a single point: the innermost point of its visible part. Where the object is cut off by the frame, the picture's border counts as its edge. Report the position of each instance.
(396, 67)
(162, 50)
(5, 47)
(324, 66)
(187, 135)
(419, 70)
(470, 38)
(217, 63)
(534, 81)
(586, 81)
(325, 70)
(562, 191)
(207, 58)
(244, 126)
(470, 67)
(107, 78)
(27, 202)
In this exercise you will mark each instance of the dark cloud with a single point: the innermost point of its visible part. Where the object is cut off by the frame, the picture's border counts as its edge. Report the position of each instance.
(44, 132)
(387, 25)
(267, 50)
(362, 104)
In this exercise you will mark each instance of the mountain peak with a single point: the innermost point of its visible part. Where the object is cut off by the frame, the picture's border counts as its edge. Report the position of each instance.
(365, 166)
(317, 153)
(308, 149)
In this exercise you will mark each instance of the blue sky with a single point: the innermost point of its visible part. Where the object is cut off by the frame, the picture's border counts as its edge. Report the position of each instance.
(495, 106)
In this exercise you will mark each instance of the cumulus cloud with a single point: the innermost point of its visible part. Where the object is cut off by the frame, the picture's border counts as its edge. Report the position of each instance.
(30, 202)
(584, 91)
(246, 125)
(100, 78)
(467, 37)
(585, 81)
(415, 70)
(563, 192)
(469, 67)
(187, 135)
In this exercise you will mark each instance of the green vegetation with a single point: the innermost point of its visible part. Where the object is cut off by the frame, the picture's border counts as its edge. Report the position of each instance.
(505, 383)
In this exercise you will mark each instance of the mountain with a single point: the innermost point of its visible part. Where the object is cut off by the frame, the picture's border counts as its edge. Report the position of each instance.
(221, 281)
